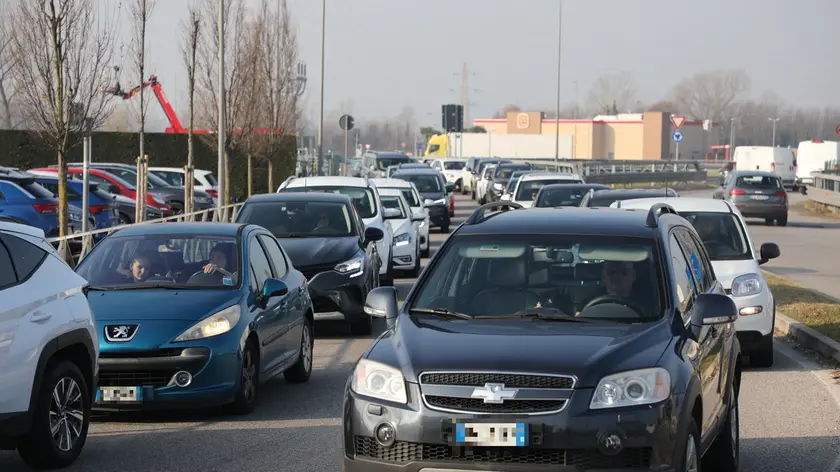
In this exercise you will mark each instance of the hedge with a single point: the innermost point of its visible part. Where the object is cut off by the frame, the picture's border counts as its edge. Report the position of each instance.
(26, 150)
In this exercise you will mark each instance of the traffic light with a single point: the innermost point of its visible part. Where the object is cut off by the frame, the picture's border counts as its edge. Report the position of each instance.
(453, 118)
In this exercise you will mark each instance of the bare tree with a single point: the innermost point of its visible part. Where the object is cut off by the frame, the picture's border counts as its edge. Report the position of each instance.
(67, 49)
(140, 12)
(712, 95)
(504, 111)
(665, 106)
(121, 120)
(7, 60)
(612, 93)
(192, 35)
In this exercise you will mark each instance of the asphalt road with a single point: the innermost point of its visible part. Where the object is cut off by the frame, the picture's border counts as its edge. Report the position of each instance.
(790, 414)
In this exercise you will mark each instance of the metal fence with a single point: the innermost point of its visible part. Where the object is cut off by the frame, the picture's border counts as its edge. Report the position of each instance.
(627, 172)
(826, 189)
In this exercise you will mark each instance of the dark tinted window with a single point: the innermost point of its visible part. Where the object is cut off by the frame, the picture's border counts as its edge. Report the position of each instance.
(299, 218)
(52, 186)
(758, 181)
(425, 183)
(36, 190)
(454, 165)
(686, 290)
(259, 264)
(276, 255)
(560, 196)
(26, 257)
(410, 197)
(528, 189)
(212, 179)
(393, 203)
(101, 193)
(383, 163)
(7, 271)
(504, 172)
(722, 234)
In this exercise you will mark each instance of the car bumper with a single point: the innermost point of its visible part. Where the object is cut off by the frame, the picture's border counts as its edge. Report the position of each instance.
(423, 234)
(762, 210)
(337, 296)
(565, 441)
(439, 215)
(404, 256)
(215, 367)
(760, 323)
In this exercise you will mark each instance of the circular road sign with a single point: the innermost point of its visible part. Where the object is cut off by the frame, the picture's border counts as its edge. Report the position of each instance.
(346, 122)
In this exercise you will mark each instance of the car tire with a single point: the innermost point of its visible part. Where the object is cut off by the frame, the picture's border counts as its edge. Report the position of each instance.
(763, 355)
(245, 400)
(803, 190)
(690, 453)
(724, 453)
(302, 370)
(472, 194)
(782, 221)
(388, 279)
(39, 449)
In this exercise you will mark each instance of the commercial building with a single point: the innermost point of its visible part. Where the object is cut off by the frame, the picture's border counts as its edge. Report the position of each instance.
(638, 136)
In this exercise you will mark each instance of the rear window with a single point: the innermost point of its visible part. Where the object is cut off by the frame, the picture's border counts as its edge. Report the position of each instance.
(37, 191)
(758, 181)
(410, 197)
(425, 183)
(528, 189)
(454, 165)
(53, 187)
(96, 190)
(506, 171)
(211, 179)
(382, 163)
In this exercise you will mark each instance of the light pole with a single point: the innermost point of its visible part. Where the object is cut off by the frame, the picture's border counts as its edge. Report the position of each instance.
(321, 115)
(221, 173)
(557, 107)
(731, 138)
(774, 120)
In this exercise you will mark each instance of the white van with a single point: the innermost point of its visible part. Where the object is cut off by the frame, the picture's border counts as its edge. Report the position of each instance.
(768, 159)
(813, 156)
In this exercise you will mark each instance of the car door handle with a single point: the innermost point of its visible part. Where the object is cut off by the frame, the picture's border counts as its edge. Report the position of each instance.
(40, 316)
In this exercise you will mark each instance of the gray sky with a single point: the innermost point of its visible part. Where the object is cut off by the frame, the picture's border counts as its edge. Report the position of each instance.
(385, 55)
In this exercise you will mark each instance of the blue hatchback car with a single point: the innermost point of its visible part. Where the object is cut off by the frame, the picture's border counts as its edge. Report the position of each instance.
(196, 314)
(24, 201)
(100, 203)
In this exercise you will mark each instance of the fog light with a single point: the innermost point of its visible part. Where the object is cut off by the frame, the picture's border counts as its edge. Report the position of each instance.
(610, 444)
(183, 378)
(751, 310)
(385, 435)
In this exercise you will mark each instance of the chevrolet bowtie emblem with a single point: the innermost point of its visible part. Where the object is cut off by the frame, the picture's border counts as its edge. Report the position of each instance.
(494, 393)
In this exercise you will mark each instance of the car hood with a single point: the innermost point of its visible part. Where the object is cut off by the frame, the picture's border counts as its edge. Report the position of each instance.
(432, 195)
(727, 271)
(154, 304)
(316, 251)
(580, 349)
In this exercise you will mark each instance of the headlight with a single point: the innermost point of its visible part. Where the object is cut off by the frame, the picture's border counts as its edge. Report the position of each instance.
(442, 201)
(402, 240)
(635, 387)
(748, 284)
(353, 267)
(214, 325)
(497, 186)
(373, 379)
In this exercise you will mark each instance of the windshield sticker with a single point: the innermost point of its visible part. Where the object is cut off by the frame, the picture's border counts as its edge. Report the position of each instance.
(227, 281)
(695, 265)
(490, 248)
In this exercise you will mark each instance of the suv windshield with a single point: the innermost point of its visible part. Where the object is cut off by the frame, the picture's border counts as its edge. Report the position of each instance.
(454, 165)
(162, 261)
(603, 277)
(722, 234)
(299, 219)
(425, 183)
(506, 171)
(528, 189)
(361, 197)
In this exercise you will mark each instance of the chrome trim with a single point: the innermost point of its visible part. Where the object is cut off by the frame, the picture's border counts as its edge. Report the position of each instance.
(120, 339)
(502, 372)
(513, 413)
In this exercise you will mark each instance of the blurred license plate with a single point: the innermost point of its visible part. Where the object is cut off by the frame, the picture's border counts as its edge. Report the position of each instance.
(759, 197)
(120, 394)
(492, 434)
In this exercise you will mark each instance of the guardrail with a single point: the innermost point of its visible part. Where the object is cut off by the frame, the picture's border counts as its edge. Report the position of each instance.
(75, 246)
(826, 191)
(629, 172)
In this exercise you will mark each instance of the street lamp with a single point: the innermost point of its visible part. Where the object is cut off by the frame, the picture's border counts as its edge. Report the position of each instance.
(731, 138)
(321, 115)
(559, 54)
(774, 120)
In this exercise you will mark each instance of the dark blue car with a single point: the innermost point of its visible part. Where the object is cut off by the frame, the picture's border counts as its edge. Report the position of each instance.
(100, 203)
(196, 314)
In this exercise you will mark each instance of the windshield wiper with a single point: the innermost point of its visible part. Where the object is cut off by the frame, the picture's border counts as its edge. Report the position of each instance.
(442, 312)
(539, 315)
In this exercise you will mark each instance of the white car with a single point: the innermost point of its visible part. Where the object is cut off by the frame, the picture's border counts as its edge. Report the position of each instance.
(452, 170)
(365, 197)
(530, 184)
(406, 250)
(735, 263)
(49, 351)
(420, 215)
(203, 180)
(485, 180)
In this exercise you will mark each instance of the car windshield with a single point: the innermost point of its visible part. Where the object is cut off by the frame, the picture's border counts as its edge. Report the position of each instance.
(512, 183)
(586, 276)
(362, 198)
(162, 261)
(299, 218)
(36, 190)
(382, 163)
(528, 189)
(722, 234)
(454, 165)
(561, 197)
(389, 201)
(758, 181)
(410, 197)
(425, 183)
(506, 172)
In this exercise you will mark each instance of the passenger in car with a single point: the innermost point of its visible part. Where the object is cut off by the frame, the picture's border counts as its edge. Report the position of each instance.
(141, 268)
(619, 278)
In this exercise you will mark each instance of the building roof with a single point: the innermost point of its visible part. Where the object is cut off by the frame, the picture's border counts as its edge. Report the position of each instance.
(564, 220)
(688, 204)
(178, 229)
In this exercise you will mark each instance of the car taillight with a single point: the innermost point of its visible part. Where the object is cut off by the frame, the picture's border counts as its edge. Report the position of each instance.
(781, 194)
(773, 166)
(213, 193)
(46, 208)
(451, 203)
(97, 209)
(736, 191)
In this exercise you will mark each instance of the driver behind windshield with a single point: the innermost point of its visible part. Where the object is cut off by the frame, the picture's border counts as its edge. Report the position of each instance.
(619, 279)
(221, 257)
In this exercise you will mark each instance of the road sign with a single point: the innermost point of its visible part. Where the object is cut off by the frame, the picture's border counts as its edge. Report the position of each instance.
(677, 136)
(346, 122)
(677, 121)
(838, 130)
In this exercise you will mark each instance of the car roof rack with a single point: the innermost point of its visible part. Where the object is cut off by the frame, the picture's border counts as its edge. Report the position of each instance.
(657, 210)
(478, 215)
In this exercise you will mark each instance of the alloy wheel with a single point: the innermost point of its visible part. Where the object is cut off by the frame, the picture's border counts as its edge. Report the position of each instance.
(306, 349)
(66, 414)
(734, 428)
(249, 374)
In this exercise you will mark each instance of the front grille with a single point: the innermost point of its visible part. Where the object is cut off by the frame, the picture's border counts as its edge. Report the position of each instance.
(477, 405)
(478, 379)
(403, 452)
(313, 270)
(151, 378)
(141, 354)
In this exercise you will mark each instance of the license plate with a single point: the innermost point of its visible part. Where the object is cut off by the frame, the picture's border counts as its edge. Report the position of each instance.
(492, 434)
(120, 394)
(759, 197)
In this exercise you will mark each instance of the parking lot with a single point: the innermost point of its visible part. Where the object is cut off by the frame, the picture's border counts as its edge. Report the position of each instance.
(790, 414)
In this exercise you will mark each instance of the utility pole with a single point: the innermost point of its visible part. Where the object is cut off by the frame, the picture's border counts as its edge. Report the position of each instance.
(465, 94)
(731, 138)
(559, 55)
(774, 120)
(221, 172)
(321, 115)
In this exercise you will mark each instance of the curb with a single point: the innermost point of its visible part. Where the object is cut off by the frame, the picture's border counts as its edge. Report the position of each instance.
(808, 337)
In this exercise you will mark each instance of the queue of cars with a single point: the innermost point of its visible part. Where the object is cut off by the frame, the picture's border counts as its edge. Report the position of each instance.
(626, 315)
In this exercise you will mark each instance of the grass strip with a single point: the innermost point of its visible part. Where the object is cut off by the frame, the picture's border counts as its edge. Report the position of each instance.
(809, 307)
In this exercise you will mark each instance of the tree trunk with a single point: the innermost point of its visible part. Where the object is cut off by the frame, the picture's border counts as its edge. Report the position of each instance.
(6, 118)
(62, 196)
(250, 175)
(270, 177)
(227, 178)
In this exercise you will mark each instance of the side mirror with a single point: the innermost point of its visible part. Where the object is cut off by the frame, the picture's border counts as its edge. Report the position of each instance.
(391, 213)
(373, 234)
(769, 251)
(381, 302)
(712, 309)
(428, 202)
(274, 288)
(450, 187)
(506, 197)
(418, 217)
